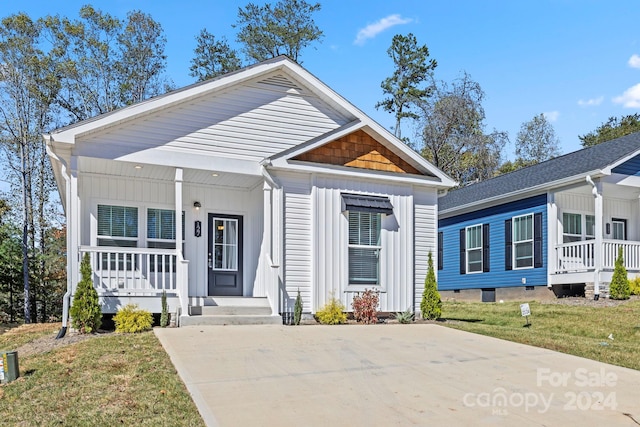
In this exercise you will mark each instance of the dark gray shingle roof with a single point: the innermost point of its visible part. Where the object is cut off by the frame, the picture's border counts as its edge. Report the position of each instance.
(579, 162)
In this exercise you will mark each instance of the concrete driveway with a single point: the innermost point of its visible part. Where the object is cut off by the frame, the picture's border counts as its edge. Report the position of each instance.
(392, 375)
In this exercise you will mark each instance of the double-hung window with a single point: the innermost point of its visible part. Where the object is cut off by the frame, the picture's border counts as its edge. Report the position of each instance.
(619, 229)
(364, 248)
(577, 227)
(523, 241)
(474, 249)
(117, 226)
(161, 234)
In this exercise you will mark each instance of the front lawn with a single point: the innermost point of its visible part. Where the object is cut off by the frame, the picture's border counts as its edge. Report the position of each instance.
(579, 330)
(110, 379)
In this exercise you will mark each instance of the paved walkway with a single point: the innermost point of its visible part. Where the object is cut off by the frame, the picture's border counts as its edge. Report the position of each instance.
(392, 375)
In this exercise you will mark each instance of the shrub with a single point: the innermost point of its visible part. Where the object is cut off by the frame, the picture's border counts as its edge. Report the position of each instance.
(404, 317)
(332, 313)
(164, 315)
(619, 288)
(431, 305)
(131, 319)
(634, 286)
(86, 315)
(297, 309)
(365, 307)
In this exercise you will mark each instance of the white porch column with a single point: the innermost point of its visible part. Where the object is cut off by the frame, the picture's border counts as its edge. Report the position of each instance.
(178, 193)
(182, 266)
(597, 252)
(552, 236)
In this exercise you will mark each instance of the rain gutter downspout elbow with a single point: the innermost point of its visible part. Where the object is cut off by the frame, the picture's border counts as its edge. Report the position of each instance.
(67, 295)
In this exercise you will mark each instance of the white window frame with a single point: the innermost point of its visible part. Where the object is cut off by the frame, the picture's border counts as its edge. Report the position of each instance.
(469, 250)
(160, 240)
(377, 248)
(516, 243)
(584, 235)
(99, 236)
(619, 221)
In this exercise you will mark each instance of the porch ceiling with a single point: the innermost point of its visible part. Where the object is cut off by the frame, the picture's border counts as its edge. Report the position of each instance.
(164, 173)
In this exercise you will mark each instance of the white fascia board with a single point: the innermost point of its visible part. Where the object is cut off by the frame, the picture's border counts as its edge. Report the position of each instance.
(306, 167)
(71, 133)
(517, 195)
(417, 158)
(608, 169)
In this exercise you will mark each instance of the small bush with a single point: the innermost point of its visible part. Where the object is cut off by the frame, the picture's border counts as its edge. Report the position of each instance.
(404, 317)
(164, 315)
(297, 309)
(634, 286)
(365, 307)
(86, 315)
(332, 313)
(131, 319)
(619, 288)
(431, 304)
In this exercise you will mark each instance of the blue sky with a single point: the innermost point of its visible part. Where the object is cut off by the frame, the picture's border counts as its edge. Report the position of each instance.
(576, 61)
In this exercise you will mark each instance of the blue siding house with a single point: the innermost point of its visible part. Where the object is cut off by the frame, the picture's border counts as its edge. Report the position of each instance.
(552, 229)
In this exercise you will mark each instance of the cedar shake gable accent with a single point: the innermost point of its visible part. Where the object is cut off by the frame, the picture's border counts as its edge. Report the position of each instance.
(358, 150)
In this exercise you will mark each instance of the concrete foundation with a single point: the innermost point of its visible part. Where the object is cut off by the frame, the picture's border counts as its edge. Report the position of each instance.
(519, 293)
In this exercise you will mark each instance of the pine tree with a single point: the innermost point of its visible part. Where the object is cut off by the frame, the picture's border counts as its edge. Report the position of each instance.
(431, 305)
(86, 316)
(164, 315)
(620, 288)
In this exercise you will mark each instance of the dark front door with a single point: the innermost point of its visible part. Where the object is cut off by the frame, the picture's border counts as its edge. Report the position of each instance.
(225, 255)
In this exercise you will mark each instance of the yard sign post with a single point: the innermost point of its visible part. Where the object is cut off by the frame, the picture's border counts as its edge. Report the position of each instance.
(526, 312)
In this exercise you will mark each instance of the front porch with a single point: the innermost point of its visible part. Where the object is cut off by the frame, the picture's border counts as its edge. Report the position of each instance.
(576, 261)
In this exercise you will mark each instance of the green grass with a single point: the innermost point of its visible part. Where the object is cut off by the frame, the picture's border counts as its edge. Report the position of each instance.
(577, 330)
(119, 379)
(14, 335)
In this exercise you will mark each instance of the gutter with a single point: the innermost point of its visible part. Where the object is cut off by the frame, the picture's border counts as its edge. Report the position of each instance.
(67, 295)
(458, 210)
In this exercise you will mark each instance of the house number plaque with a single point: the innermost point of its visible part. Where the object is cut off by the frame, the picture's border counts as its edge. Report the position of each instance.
(198, 228)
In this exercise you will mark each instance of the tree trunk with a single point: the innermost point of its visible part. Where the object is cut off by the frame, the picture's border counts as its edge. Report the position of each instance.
(25, 235)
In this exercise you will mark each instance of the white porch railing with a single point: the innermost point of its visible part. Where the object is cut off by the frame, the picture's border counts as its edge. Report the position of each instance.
(580, 256)
(630, 254)
(143, 271)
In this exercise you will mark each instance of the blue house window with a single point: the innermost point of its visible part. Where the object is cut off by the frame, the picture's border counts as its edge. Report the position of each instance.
(523, 241)
(474, 249)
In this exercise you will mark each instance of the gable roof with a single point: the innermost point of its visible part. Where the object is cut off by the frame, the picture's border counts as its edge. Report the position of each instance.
(279, 71)
(596, 160)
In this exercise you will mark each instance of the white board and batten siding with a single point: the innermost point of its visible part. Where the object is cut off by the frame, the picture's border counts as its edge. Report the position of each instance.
(582, 203)
(398, 253)
(426, 236)
(249, 123)
(298, 251)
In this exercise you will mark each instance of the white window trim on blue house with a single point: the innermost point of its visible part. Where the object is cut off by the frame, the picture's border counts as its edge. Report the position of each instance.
(522, 241)
(474, 249)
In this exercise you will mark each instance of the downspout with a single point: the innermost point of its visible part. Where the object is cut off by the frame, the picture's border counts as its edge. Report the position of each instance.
(597, 255)
(67, 295)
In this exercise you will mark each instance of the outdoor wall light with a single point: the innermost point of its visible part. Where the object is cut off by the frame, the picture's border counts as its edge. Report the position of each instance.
(608, 228)
(197, 205)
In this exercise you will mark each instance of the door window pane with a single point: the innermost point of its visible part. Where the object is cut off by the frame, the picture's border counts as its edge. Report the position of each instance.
(225, 242)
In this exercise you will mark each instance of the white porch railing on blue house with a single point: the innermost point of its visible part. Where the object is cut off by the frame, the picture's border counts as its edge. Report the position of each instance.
(134, 271)
(580, 256)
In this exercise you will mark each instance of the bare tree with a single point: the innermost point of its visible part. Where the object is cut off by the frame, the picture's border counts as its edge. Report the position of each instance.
(453, 133)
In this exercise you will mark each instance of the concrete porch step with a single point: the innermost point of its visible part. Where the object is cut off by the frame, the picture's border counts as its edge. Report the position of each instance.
(229, 311)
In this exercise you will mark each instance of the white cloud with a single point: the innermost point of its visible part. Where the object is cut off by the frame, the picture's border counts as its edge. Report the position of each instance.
(591, 102)
(634, 61)
(372, 30)
(630, 98)
(552, 116)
